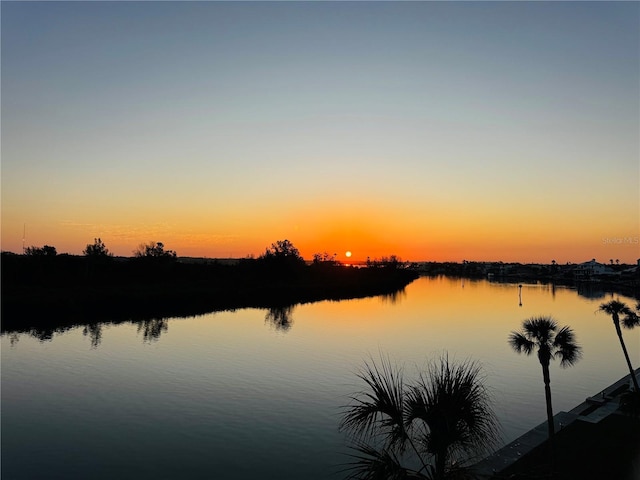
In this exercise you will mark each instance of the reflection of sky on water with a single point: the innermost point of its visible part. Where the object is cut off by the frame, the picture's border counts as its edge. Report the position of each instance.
(227, 394)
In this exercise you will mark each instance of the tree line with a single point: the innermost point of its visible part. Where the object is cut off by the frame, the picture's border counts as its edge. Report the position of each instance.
(98, 249)
(281, 251)
(42, 289)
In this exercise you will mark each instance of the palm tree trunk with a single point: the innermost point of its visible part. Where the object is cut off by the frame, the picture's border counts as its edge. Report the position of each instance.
(547, 394)
(440, 465)
(626, 356)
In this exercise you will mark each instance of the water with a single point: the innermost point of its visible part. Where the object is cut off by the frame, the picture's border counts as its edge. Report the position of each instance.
(236, 395)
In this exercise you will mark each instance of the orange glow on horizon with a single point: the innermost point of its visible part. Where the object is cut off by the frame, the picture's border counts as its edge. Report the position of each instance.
(381, 159)
(367, 229)
(362, 242)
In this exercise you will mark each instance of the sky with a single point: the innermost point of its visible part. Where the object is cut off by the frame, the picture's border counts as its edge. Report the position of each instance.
(435, 131)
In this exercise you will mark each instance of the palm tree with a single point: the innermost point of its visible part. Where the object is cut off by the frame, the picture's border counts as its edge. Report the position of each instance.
(426, 430)
(630, 319)
(542, 334)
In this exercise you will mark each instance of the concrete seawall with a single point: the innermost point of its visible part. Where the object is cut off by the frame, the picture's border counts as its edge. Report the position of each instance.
(592, 411)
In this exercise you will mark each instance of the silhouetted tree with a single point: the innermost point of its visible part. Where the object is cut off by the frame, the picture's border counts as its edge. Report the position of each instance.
(46, 251)
(153, 250)
(392, 262)
(283, 249)
(442, 421)
(97, 249)
(542, 334)
(630, 319)
(282, 258)
(324, 257)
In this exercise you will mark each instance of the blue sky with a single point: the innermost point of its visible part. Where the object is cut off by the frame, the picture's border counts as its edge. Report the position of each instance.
(219, 126)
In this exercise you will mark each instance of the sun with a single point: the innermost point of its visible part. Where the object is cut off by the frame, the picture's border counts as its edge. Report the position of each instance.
(347, 254)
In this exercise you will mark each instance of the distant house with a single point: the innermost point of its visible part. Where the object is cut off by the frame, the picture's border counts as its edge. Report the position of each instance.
(632, 272)
(589, 270)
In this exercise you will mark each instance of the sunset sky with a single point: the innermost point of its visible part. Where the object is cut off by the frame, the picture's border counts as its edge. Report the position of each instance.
(433, 131)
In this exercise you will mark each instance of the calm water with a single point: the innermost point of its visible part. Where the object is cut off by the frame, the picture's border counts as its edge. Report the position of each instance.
(245, 395)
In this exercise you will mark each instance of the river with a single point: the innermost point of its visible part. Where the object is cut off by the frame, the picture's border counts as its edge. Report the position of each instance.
(255, 394)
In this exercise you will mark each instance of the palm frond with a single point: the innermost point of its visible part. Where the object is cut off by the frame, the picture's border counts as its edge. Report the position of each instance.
(446, 417)
(566, 347)
(378, 411)
(372, 464)
(450, 400)
(520, 343)
(614, 308)
(631, 319)
(539, 329)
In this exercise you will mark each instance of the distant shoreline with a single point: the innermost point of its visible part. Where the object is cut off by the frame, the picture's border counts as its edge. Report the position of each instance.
(590, 289)
(59, 292)
(622, 279)
(62, 291)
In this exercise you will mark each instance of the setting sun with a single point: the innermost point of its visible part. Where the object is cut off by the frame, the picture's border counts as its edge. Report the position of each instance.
(431, 169)
(347, 254)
